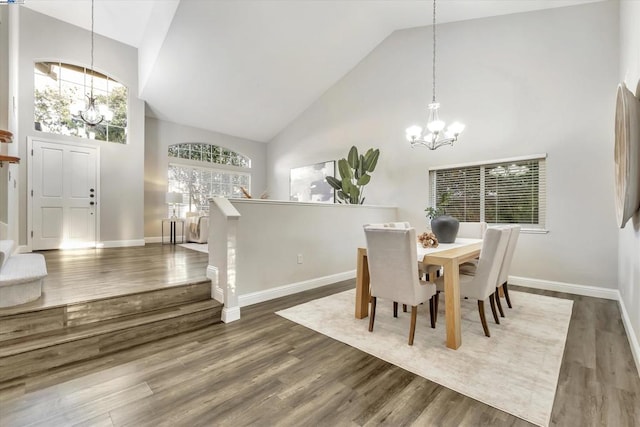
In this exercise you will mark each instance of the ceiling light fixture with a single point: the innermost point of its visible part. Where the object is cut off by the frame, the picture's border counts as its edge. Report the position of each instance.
(433, 136)
(91, 115)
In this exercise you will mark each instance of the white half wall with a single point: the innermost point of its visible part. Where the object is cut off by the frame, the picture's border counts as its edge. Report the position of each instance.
(159, 134)
(629, 236)
(286, 247)
(537, 82)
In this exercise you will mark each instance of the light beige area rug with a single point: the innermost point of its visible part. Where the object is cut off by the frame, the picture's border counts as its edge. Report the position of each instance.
(200, 247)
(516, 370)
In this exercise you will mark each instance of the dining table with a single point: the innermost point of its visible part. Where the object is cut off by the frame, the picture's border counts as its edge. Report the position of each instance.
(449, 256)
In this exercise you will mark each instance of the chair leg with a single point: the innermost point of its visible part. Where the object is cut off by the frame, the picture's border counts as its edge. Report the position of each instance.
(493, 308)
(414, 316)
(404, 308)
(435, 306)
(432, 313)
(395, 309)
(506, 294)
(372, 315)
(498, 303)
(483, 319)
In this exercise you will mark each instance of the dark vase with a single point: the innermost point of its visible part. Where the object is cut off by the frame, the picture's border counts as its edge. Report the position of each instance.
(445, 228)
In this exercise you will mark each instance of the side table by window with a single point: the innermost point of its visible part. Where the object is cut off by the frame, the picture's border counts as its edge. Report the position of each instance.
(173, 225)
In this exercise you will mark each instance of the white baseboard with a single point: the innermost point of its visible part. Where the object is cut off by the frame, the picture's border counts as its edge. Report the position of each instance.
(293, 288)
(230, 314)
(216, 291)
(23, 249)
(120, 243)
(569, 288)
(157, 239)
(631, 334)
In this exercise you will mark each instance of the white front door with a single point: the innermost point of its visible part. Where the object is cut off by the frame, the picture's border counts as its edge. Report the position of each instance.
(65, 195)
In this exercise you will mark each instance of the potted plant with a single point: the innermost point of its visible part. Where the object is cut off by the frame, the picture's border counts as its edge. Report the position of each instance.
(444, 226)
(355, 173)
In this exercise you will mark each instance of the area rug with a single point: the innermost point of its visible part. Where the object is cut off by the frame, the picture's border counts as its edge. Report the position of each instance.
(200, 247)
(516, 370)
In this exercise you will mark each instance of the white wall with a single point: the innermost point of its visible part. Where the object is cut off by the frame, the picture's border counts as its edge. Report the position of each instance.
(159, 135)
(629, 243)
(539, 82)
(122, 166)
(326, 235)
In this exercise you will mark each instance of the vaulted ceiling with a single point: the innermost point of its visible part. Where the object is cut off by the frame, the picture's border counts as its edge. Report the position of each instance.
(247, 68)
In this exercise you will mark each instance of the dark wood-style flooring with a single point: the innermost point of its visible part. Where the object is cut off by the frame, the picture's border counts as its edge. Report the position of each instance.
(264, 370)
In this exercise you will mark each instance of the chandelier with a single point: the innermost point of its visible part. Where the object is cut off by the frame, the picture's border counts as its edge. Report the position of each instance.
(91, 116)
(434, 135)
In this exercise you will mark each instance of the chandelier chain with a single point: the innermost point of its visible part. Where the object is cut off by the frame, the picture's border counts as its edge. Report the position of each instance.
(434, 52)
(92, 35)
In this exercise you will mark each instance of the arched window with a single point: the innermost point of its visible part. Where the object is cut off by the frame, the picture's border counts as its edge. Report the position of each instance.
(60, 94)
(200, 171)
(209, 153)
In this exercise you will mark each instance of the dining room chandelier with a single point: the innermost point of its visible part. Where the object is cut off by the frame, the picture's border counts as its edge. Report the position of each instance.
(91, 115)
(434, 135)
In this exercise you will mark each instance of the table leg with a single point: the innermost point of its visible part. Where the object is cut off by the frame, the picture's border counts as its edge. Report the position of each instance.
(452, 307)
(173, 232)
(362, 285)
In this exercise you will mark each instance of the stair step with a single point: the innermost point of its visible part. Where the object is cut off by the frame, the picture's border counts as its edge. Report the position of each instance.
(58, 318)
(27, 355)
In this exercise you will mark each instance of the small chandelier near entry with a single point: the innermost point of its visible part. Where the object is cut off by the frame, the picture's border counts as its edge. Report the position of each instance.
(433, 136)
(91, 116)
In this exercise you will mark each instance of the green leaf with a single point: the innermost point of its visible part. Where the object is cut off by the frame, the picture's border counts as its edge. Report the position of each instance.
(344, 169)
(364, 179)
(334, 182)
(353, 157)
(361, 167)
(355, 195)
(371, 160)
(342, 196)
(346, 186)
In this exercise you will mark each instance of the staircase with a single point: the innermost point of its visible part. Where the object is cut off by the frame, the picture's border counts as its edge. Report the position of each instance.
(34, 341)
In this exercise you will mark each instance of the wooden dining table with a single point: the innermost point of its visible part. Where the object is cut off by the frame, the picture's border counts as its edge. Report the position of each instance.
(447, 255)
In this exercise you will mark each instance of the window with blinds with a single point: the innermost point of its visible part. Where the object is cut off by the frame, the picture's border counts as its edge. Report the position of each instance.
(498, 192)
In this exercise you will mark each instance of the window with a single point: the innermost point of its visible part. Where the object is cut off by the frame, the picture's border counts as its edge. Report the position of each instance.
(209, 153)
(192, 173)
(510, 191)
(60, 93)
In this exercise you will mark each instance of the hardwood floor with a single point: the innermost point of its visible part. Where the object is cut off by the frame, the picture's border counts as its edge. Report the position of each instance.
(81, 275)
(266, 370)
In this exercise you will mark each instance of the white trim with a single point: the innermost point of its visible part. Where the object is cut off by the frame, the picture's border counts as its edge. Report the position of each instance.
(230, 314)
(216, 291)
(631, 335)
(120, 243)
(569, 288)
(157, 239)
(23, 249)
(293, 288)
(490, 162)
(318, 204)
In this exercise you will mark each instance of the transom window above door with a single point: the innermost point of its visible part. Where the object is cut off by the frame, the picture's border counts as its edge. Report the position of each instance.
(61, 93)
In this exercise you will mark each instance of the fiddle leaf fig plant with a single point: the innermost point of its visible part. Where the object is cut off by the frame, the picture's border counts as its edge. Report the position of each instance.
(355, 172)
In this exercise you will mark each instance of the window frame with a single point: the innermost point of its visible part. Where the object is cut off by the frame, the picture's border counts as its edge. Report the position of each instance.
(208, 166)
(539, 228)
(111, 84)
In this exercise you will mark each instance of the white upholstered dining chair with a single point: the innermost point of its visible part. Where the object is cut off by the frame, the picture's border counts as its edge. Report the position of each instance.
(393, 272)
(482, 284)
(503, 277)
(472, 230)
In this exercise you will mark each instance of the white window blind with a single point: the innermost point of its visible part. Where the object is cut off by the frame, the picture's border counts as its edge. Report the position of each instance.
(498, 192)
